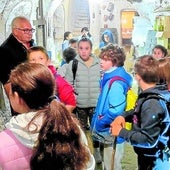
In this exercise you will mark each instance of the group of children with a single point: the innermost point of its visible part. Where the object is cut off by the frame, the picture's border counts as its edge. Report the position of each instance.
(46, 135)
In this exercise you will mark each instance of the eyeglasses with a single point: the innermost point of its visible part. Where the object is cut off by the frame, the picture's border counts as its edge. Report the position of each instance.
(26, 31)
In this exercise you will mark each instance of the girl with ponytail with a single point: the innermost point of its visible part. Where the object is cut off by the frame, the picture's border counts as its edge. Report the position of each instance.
(45, 135)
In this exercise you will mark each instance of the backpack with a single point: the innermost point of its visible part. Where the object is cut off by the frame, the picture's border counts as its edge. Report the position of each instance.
(164, 136)
(131, 98)
(74, 68)
(161, 146)
(106, 137)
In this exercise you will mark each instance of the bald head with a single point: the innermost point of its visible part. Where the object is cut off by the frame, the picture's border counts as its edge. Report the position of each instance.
(16, 22)
(22, 29)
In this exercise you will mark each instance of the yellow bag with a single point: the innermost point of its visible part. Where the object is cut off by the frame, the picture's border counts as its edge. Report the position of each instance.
(130, 104)
(131, 96)
(130, 99)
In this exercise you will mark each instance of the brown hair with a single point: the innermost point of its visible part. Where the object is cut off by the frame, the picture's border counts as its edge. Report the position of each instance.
(59, 142)
(147, 67)
(162, 48)
(37, 48)
(113, 53)
(59, 145)
(34, 83)
(84, 39)
(164, 70)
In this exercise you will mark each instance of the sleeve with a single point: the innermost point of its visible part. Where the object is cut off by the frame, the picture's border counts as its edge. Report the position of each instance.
(128, 115)
(114, 106)
(69, 73)
(147, 127)
(5, 66)
(65, 45)
(65, 92)
(62, 70)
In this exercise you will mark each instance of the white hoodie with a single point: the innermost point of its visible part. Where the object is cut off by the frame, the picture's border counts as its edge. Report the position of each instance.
(18, 123)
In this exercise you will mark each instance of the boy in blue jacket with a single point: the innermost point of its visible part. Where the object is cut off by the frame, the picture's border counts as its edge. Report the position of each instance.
(112, 100)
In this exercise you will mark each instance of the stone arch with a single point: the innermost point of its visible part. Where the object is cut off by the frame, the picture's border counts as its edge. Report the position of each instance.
(12, 9)
(23, 8)
(58, 21)
(52, 44)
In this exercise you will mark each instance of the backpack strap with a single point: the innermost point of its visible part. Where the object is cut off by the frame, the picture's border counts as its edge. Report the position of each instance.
(74, 68)
(117, 78)
(148, 96)
(163, 138)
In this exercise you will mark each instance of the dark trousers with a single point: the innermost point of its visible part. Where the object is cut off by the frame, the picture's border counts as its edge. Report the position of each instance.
(85, 116)
(145, 162)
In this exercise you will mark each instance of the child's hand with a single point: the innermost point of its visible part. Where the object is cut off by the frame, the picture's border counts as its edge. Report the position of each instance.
(117, 125)
(120, 120)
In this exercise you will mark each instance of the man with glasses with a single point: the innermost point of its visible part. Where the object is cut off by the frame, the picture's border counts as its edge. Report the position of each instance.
(13, 50)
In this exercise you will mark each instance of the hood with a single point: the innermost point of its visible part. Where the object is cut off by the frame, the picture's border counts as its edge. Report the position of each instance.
(119, 71)
(17, 125)
(110, 34)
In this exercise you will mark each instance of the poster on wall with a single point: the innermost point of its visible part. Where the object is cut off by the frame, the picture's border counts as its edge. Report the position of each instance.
(107, 13)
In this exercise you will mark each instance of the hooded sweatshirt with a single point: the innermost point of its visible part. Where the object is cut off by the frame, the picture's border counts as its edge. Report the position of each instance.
(17, 143)
(111, 38)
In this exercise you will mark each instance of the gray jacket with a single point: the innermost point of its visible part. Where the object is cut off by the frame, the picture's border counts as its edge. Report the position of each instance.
(86, 82)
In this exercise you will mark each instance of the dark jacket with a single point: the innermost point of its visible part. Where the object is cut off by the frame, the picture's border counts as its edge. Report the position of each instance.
(12, 53)
(146, 122)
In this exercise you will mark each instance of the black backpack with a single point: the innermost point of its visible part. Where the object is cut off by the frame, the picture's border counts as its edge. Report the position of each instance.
(164, 137)
(74, 68)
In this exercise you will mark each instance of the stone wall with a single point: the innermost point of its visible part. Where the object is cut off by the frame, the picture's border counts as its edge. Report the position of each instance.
(12, 8)
(59, 16)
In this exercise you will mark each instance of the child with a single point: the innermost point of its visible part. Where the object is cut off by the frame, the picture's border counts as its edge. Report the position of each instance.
(65, 91)
(86, 84)
(164, 71)
(44, 131)
(86, 81)
(86, 34)
(73, 43)
(65, 44)
(146, 118)
(112, 100)
(67, 36)
(159, 51)
(68, 54)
